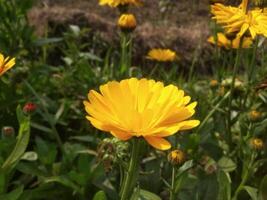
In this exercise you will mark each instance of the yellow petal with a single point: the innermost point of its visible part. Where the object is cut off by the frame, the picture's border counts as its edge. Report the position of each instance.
(158, 142)
(121, 135)
(189, 124)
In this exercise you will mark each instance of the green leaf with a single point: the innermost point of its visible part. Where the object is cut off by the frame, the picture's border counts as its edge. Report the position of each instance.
(64, 181)
(30, 156)
(224, 185)
(22, 141)
(146, 195)
(136, 194)
(100, 195)
(13, 195)
(226, 164)
(46, 151)
(263, 188)
(253, 192)
(45, 41)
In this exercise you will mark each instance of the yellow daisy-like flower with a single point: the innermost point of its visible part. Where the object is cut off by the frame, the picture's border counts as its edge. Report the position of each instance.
(127, 22)
(116, 3)
(5, 64)
(162, 55)
(223, 41)
(239, 20)
(140, 108)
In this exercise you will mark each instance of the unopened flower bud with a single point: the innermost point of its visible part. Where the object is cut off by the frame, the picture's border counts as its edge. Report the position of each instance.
(176, 157)
(127, 22)
(8, 131)
(254, 115)
(257, 143)
(214, 83)
(29, 108)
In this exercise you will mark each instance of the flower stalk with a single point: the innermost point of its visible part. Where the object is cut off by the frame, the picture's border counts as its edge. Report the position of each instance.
(172, 192)
(232, 87)
(126, 46)
(131, 174)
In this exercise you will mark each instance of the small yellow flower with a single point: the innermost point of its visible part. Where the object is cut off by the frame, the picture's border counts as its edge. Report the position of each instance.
(116, 3)
(223, 41)
(5, 64)
(257, 143)
(240, 20)
(140, 108)
(254, 115)
(127, 22)
(176, 157)
(162, 55)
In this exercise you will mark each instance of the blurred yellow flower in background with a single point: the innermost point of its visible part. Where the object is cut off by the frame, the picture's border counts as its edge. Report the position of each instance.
(127, 22)
(239, 20)
(254, 115)
(5, 64)
(223, 41)
(115, 3)
(140, 108)
(257, 143)
(162, 55)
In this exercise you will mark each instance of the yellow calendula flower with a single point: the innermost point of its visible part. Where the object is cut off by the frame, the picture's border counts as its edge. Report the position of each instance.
(116, 3)
(162, 55)
(239, 20)
(223, 41)
(5, 64)
(140, 108)
(127, 22)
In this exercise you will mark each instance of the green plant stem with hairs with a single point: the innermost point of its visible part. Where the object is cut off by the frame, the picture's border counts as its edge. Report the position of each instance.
(172, 191)
(130, 175)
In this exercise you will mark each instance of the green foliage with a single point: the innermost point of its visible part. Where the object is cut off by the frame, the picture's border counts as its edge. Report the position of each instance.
(65, 158)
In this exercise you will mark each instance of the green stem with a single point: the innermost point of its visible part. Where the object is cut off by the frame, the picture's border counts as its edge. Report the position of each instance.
(245, 176)
(126, 45)
(172, 192)
(130, 176)
(251, 71)
(216, 107)
(229, 124)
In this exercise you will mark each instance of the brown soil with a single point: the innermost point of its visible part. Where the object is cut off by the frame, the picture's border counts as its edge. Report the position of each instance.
(183, 28)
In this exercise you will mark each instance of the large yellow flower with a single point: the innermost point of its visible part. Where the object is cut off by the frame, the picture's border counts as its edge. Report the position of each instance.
(5, 64)
(140, 108)
(162, 55)
(239, 20)
(223, 41)
(115, 3)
